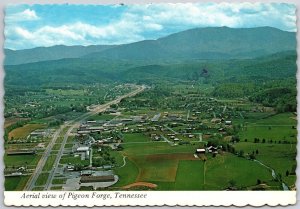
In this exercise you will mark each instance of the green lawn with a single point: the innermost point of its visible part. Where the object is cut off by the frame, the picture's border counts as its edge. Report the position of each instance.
(56, 147)
(59, 181)
(73, 160)
(68, 146)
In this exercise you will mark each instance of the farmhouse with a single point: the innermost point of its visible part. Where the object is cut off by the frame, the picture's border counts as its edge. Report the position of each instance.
(200, 151)
(212, 149)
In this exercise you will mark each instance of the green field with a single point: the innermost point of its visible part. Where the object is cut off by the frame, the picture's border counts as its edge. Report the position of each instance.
(278, 127)
(21, 160)
(158, 148)
(190, 175)
(49, 163)
(56, 147)
(24, 131)
(136, 137)
(102, 117)
(42, 179)
(127, 174)
(16, 183)
(59, 181)
(73, 160)
(228, 167)
(280, 157)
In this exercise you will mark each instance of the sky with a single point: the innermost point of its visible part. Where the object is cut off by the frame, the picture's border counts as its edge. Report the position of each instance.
(29, 26)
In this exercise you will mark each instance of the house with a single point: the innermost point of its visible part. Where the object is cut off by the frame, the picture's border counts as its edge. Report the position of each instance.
(82, 149)
(228, 122)
(212, 149)
(200, 151)
(90, 121)
(176, 140)
(86, 173)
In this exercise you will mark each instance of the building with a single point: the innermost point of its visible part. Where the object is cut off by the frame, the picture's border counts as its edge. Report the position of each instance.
(200, 151)
(228, 122)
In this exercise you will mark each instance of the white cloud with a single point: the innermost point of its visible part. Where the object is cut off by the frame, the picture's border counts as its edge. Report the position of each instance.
(73, 34)
(26, 15)
(139, 22)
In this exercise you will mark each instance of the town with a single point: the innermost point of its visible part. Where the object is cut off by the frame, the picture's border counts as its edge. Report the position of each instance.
(131, 142)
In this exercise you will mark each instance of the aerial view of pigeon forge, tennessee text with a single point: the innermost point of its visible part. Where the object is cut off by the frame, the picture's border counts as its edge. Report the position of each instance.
(150, 97)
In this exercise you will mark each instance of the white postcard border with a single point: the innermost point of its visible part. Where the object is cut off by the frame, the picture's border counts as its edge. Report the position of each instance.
(203, 198)
(149, 198)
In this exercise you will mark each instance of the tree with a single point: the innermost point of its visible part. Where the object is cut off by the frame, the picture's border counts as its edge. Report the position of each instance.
(287, 173)
(241, 153)
(258, 181)
(252, 156)
(232, 183)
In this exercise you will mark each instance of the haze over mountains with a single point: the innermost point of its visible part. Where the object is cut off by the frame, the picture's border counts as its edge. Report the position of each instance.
(219, 43)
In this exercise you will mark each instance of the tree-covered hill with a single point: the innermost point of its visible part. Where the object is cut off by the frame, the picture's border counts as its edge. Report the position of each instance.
(194, 44)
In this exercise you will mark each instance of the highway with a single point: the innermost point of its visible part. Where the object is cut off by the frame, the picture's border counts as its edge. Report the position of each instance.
(100, 108)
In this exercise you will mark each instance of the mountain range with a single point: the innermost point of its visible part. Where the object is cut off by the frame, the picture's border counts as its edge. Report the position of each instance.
(216, 43)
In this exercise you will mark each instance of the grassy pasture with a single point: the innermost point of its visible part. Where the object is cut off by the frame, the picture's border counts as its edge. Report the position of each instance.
(16, 183)
(158, 148)
(190, 175)
(136, 137)
(101, 117)
(280, 157)
(277, 127)
(24, 131)
(127, 174)
(227, 167)
(21, 160)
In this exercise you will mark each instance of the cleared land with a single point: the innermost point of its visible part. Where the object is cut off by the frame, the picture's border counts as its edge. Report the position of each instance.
(24, 131)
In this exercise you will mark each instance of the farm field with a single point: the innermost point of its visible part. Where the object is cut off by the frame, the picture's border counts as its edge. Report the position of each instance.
(279, 127)
(280, 157)
(17, 160)
(10, 121)
(16, 183)
(23, 132)
(136, 137)
(225, 168)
